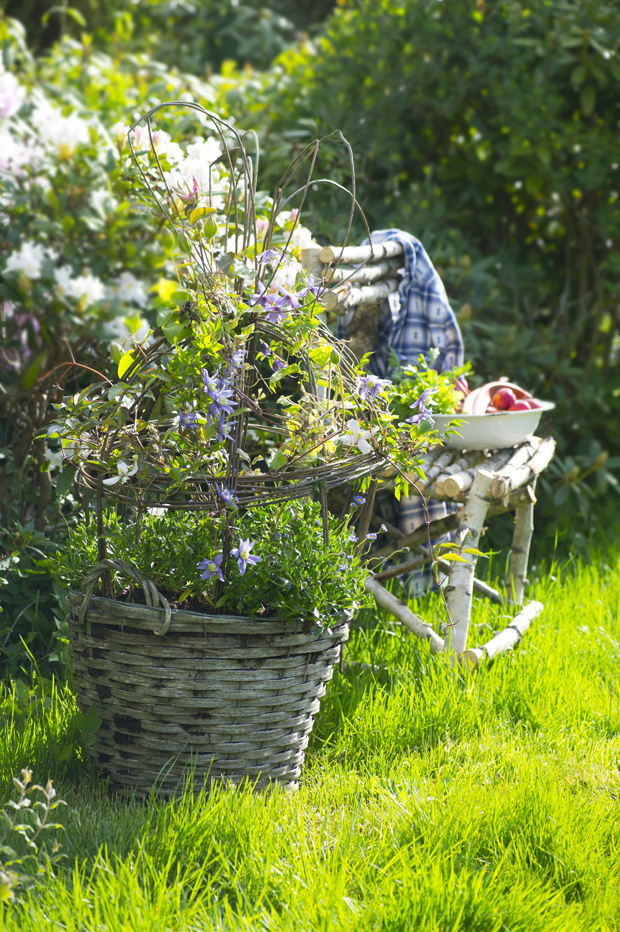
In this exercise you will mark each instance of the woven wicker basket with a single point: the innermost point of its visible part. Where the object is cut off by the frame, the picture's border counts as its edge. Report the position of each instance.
(233, 698)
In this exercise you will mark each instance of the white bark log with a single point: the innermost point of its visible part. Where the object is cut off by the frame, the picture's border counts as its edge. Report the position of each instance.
(521, 540)
(400, 611)
(460, 482)
(366, 275)
(311, 261)
(506, 639)
(430, 474)
(516, 475)
(469, 461)
(346, 297)
(352, 255)
(459, 595)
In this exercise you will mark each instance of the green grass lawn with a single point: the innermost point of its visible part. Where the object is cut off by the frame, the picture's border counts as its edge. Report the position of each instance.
(429, 801)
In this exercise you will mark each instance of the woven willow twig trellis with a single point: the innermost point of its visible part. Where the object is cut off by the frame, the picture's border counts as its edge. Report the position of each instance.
(152, 415)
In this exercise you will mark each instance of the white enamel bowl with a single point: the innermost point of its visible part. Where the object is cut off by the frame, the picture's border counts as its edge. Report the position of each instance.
(491, 431)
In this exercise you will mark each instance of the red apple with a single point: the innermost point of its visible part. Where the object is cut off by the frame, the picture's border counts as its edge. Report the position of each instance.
(503, 399)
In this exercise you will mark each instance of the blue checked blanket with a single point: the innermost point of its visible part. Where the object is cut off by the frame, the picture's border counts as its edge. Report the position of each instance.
(413, 322)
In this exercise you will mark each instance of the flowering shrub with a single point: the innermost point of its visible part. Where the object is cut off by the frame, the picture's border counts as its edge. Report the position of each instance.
(79, 266)
(289, 573)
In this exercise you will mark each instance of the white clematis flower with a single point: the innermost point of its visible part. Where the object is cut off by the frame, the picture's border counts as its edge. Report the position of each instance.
(54, 458)
(125, 472)
(356, 436)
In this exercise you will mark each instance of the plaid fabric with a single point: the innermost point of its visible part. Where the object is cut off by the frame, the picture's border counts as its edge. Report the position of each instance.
(412, 323)
(422, 317)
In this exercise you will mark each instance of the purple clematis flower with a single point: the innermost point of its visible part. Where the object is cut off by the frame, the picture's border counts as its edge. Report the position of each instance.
(220, 406)
(420, 404)
(237, 360)
(276, 305)
(219, 391)
(278, 364)
(212, 384)
(260, 297)
(243, 556)
(223, 430)
(369, 386)
(288, 299)
(264, 349)
(279, 309)
(187, 419)
(269, 254)
(212, 567)
(313, 287)
(226, 495)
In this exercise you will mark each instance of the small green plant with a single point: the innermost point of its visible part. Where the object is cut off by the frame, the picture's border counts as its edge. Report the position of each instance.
(21, 863)
(288, 571)
(410, 383)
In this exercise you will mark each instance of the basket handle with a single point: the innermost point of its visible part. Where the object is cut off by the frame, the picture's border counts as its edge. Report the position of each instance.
(153, 596)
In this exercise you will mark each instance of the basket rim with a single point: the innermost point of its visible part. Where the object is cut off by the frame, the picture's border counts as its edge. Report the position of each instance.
(77, 596)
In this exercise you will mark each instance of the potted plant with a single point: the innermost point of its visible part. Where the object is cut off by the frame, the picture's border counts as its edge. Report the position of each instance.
(215, 586)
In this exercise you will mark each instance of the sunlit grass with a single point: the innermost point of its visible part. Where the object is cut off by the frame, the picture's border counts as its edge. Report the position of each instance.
(429, 802)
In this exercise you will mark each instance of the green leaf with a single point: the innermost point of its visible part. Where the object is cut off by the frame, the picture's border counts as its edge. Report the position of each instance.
(454, 558)
(62, 10)
(578, 76)
(11, 294)
(93, 722)
(175, 330)
(126, 360)
(65, 480)
(32, 372)
(278, 460)
(117, 390)
(588, 99)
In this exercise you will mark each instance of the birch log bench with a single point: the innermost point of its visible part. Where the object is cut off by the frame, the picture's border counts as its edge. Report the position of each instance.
(481, 485)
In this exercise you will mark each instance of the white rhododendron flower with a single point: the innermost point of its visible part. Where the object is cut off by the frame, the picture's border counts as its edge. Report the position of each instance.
(15, 154)
(63, 133)
(28, 259)
(286, 274)
(204, 150)
(12, 94)
(302, 237)
(86, 287)
(128, 288)
(119, 131)
(164, 146)
(102, 201)
(356, 436)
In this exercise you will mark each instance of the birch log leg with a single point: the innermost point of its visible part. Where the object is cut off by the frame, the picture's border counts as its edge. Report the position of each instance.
(521, 540)
(460, 590)
(406, 617)
(506, 639)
